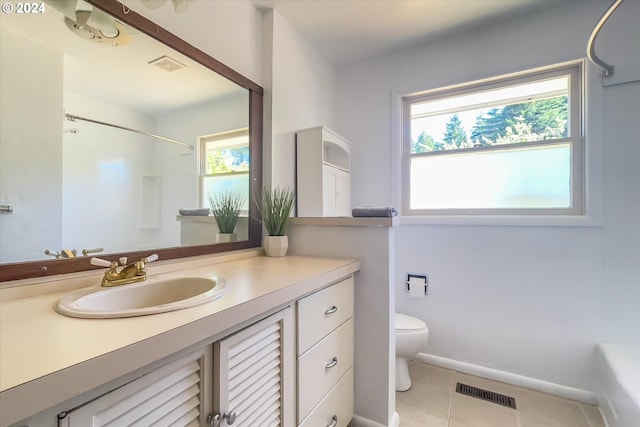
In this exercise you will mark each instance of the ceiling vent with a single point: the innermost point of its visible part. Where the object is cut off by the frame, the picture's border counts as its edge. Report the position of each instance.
(167, 63)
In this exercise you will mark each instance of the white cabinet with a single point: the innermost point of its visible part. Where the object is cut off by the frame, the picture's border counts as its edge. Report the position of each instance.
(325, 356)
(246, 375)
(323, 181)
(176, 394)
(255, 372)
(246, 379)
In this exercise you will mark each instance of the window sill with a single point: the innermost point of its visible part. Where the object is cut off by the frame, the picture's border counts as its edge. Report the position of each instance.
(503, 220)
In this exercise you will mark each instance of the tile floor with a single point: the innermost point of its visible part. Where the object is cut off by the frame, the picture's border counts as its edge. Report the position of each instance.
(433, 402)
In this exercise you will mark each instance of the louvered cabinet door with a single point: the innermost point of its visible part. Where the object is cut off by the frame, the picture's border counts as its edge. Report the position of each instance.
(174, 395)
(254, 374)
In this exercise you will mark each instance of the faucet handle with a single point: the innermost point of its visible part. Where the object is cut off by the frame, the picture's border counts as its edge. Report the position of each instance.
(100, 262)
(123, 260)
(151, 258)
(86, 252)
(55, 254)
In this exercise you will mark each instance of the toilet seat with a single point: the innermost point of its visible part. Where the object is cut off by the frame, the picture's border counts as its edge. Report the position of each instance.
(406, 323)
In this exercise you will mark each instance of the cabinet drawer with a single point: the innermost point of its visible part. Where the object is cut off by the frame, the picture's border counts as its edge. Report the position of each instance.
(322, 312)
(337, 403)
(322, 366)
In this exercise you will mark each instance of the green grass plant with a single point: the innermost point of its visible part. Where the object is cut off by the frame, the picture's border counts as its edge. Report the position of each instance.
(275, 206)
(225, 207)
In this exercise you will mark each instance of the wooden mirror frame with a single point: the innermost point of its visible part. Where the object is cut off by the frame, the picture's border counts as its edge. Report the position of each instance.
(41, 268)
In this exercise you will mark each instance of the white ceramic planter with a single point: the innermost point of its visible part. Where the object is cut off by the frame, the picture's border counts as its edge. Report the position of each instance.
(226, 237)
(275, 246)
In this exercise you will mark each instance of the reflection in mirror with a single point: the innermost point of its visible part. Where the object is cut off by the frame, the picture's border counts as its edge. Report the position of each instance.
(108, 134)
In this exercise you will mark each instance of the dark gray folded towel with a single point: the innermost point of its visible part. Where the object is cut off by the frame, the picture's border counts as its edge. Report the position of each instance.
(194, 212)
(369, 211)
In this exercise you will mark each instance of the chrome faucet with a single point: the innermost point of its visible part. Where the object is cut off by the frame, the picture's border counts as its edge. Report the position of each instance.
(129, 273)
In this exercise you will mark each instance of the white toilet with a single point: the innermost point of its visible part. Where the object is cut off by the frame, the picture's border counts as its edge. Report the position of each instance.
(411, 335)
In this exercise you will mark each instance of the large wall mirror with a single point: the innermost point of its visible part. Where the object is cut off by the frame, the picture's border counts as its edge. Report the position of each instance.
(115, 134)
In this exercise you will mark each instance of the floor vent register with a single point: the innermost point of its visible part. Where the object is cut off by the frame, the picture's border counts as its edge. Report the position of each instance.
(487, 395)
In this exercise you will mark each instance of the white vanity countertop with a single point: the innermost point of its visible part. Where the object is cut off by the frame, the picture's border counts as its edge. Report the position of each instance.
(46, 358)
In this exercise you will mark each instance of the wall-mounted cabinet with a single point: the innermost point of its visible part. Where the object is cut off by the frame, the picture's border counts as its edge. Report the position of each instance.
(323, 173)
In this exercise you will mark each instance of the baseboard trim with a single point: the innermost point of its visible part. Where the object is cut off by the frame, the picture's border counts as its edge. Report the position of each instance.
(395, 420)
(357, 421)
(507, 377)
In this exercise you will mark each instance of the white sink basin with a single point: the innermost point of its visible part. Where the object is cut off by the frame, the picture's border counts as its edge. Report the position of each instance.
(139, 299)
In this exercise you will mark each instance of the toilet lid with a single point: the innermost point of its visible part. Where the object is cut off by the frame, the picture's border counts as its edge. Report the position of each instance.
(404, 323)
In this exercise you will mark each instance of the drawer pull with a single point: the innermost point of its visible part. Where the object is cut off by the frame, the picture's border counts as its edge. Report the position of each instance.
(331, 310)
(334, 421)
(333, 363)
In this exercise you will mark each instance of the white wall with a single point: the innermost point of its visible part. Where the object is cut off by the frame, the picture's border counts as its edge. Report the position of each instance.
(300, 87)
(102, 180)
(30, 148)
(525, 300)
(518, 299)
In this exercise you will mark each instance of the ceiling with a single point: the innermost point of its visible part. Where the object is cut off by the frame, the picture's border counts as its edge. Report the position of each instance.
(122, 75)
(346, 31)
(342, 31)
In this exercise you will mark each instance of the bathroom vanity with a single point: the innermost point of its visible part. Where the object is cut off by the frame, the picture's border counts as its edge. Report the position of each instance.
(229, 361)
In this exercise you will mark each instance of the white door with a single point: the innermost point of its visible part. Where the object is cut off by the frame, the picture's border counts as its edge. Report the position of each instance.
(174, 395)
(343, 194)
(336, 191)
(329, 184)
(254, 371)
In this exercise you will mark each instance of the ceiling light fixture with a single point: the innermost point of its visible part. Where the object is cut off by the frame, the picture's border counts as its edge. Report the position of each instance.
(178, 5)
(98, 27)
(181, 5)
(91, 23)
(103, 23)
(153, 4)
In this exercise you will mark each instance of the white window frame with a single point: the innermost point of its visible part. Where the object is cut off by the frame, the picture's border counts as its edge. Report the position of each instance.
(202, 159)
(575, 139)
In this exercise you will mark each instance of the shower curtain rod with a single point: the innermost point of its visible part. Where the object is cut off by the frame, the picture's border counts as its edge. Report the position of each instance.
(591, 54)
(74, 118)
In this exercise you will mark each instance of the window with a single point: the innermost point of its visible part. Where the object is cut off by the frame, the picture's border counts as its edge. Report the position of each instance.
(224, 165)
(511, 146)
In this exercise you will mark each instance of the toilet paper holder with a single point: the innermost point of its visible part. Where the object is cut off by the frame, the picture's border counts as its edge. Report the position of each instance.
(417, 279)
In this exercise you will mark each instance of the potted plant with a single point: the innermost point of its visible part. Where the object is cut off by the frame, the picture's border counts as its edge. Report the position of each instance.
(225, 207)
(275, 206)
